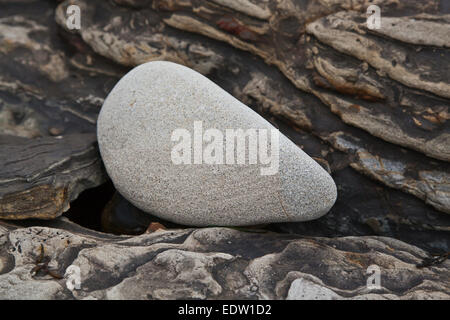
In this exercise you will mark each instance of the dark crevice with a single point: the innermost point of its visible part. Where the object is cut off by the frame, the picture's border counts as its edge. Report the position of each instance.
(86, 210)
(104, 209)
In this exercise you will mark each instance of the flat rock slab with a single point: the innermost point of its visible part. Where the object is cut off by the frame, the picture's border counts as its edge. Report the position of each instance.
(40, 177)
(164, 134)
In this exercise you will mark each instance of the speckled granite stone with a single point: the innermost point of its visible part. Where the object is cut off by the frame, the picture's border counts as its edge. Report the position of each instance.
(135, 129)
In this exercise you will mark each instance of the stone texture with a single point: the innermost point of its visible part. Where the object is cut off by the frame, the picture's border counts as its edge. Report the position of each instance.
(213, 263)
(384, 188)
(40, 177)
(135, 128)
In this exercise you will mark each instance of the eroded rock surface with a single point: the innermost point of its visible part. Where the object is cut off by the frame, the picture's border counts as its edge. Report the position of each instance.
(213, 263)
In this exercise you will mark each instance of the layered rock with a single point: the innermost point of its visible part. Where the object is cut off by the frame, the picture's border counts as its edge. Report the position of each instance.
(40, 177)
(50, 96)
(229, 264)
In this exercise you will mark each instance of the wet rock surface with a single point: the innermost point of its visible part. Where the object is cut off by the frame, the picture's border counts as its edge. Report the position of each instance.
(375, 117)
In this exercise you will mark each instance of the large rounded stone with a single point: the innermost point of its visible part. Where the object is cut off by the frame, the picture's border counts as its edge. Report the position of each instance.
(165, 136)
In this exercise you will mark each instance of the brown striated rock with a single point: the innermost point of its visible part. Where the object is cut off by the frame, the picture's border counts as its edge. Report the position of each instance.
(389, 105)
(427, 184)
(39, 177)
(214, 263)
(48, 85)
